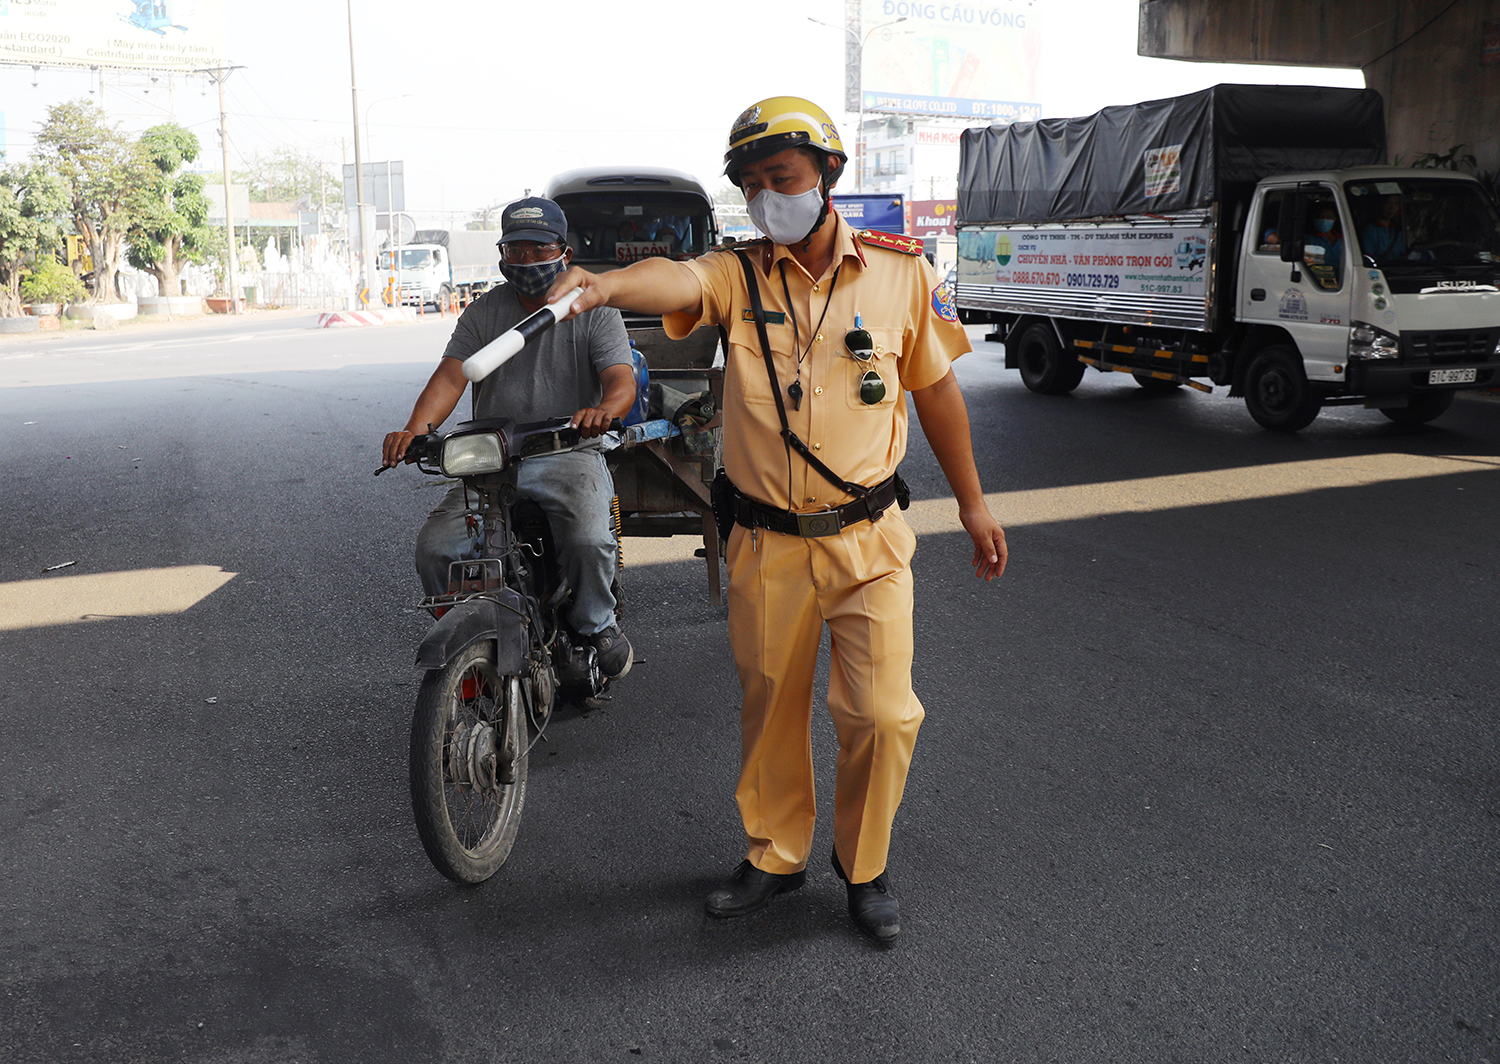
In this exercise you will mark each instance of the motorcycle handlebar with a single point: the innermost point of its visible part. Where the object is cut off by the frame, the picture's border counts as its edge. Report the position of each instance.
(508, 344)
(430, 445)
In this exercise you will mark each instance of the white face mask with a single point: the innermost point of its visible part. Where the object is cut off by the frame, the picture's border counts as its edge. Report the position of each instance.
(786, 219)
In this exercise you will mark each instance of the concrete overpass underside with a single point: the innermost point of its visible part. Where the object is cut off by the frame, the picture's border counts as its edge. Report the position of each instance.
(1436, 62)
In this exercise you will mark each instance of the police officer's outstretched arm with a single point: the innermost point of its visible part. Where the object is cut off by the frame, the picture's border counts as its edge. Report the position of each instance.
(651, 286)
(945, 422)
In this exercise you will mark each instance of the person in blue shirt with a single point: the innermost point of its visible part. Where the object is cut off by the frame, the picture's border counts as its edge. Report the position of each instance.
(1382, 238)
(1323, 232)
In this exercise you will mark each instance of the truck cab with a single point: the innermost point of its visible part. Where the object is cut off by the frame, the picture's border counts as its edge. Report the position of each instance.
(421, 273)
(1386, 281)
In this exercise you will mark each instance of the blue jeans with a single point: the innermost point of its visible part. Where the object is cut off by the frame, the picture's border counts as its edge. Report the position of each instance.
(575, 490)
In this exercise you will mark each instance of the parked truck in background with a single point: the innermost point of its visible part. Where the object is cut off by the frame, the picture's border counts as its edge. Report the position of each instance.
(1179, 239)
(438, 263)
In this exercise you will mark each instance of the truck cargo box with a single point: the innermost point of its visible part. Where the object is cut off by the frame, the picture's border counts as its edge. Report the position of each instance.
(1166, 156)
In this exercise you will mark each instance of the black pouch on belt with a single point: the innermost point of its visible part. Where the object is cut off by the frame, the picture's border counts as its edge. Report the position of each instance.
(721, 493)
(903, 493)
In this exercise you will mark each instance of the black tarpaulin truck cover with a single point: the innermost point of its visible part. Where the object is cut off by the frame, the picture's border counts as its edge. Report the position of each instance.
(1163, 156)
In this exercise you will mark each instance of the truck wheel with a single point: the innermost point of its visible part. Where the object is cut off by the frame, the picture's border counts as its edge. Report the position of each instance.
(1421, 409)
(1277, 391)
(443, 294)
(1045, 368)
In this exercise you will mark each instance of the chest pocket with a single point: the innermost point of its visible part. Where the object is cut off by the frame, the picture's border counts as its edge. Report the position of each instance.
(887, 351)
(745, 375)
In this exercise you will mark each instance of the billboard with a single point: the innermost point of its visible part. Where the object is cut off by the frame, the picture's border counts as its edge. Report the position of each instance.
(385, 185)
(126, 34)
(934, 217)
(881, 211)
(949, 58)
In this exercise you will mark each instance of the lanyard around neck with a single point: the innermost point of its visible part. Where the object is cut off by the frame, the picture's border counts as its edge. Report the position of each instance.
(797, 347)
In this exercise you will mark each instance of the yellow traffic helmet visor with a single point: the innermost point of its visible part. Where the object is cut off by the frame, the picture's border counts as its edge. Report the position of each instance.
(776, 124)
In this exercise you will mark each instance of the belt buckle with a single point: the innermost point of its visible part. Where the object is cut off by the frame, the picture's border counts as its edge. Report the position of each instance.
(821, 523)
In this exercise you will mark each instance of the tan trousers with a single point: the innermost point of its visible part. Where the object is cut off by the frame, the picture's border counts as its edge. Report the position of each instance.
(782, 590)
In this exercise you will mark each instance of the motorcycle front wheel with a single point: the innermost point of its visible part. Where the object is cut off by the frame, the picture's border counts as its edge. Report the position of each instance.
(468, 765)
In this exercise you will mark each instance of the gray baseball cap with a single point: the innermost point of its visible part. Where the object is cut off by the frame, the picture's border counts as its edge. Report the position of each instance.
(533, 218)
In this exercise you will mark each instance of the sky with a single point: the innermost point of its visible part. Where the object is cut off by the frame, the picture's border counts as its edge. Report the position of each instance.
(484, 101)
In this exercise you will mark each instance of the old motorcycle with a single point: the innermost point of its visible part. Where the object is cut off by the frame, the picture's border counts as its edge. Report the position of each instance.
(500, 655)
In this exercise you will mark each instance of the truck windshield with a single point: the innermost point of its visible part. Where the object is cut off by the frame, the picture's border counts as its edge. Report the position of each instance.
(1412, 221)
(623, 226)
(410, 259)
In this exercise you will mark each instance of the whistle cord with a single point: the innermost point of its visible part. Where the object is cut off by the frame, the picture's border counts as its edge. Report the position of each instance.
(795, 390)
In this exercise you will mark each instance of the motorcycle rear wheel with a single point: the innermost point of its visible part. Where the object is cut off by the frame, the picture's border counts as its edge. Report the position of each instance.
(466, 803)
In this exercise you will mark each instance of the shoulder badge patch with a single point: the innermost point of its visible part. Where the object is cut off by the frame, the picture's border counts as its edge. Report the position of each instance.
(907, 245)
(942, 303)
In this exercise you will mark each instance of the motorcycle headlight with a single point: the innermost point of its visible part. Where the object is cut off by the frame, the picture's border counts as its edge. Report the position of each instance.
(475, 453)
(1366, 341)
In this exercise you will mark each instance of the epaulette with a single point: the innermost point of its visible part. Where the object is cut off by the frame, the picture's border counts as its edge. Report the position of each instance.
(907, 245)
(760, 246)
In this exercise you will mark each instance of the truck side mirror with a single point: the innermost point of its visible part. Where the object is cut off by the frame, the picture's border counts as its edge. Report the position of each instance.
(1291, 226)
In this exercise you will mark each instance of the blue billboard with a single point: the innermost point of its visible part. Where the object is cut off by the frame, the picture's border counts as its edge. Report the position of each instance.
(871, 211)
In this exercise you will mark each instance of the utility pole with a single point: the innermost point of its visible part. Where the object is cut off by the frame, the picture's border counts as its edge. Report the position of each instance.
(220, 74)
(857, 51)
(366, 263)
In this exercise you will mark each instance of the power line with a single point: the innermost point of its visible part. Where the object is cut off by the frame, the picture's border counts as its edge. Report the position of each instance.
(1408, 38)
(492, 129)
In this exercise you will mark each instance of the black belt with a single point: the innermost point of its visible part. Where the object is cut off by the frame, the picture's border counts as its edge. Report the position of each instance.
(830, 522)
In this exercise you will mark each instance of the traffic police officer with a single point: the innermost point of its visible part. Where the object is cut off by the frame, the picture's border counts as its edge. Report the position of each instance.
(855, 319)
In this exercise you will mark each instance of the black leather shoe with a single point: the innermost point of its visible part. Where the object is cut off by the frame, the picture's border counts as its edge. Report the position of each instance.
(748, 889)
(872, 905)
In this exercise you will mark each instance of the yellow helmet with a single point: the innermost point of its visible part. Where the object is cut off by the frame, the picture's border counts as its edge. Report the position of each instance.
(777, 124)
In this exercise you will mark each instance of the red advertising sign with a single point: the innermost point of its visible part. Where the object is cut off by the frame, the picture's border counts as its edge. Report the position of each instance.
(934, 217)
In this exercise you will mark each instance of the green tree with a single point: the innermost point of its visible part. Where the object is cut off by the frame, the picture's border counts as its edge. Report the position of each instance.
(32, 199)
(285, 175)
(105, 172)
(170, 227)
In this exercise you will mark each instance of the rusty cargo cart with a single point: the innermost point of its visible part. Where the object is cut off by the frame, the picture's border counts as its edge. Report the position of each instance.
(617, 216)
(662, 482)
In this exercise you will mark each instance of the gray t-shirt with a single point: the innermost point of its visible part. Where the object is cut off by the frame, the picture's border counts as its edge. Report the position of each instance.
(555, 375)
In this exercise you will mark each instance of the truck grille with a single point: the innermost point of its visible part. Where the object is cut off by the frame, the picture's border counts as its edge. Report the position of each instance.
(1455, 347)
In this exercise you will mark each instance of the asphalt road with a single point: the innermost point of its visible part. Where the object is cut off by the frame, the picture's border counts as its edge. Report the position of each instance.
(1210, 775)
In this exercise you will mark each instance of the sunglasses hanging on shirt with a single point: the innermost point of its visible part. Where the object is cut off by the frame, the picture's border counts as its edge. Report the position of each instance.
(862, 349)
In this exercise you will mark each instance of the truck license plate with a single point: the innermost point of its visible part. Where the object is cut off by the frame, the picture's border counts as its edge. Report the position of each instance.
(1450, 376)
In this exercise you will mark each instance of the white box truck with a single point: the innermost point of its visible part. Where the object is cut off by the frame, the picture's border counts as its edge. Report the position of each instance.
(437, 263)
(1244, 234)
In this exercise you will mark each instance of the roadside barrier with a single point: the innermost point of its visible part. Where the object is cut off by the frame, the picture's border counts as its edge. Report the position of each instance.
(335, 319)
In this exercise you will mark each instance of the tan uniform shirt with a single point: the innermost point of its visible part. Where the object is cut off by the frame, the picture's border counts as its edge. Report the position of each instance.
(899, 300)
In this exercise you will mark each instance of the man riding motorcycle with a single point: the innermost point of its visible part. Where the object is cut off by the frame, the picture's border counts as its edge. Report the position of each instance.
(582, 364)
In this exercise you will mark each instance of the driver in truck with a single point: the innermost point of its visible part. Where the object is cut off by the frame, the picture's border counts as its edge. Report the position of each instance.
(583, 365)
